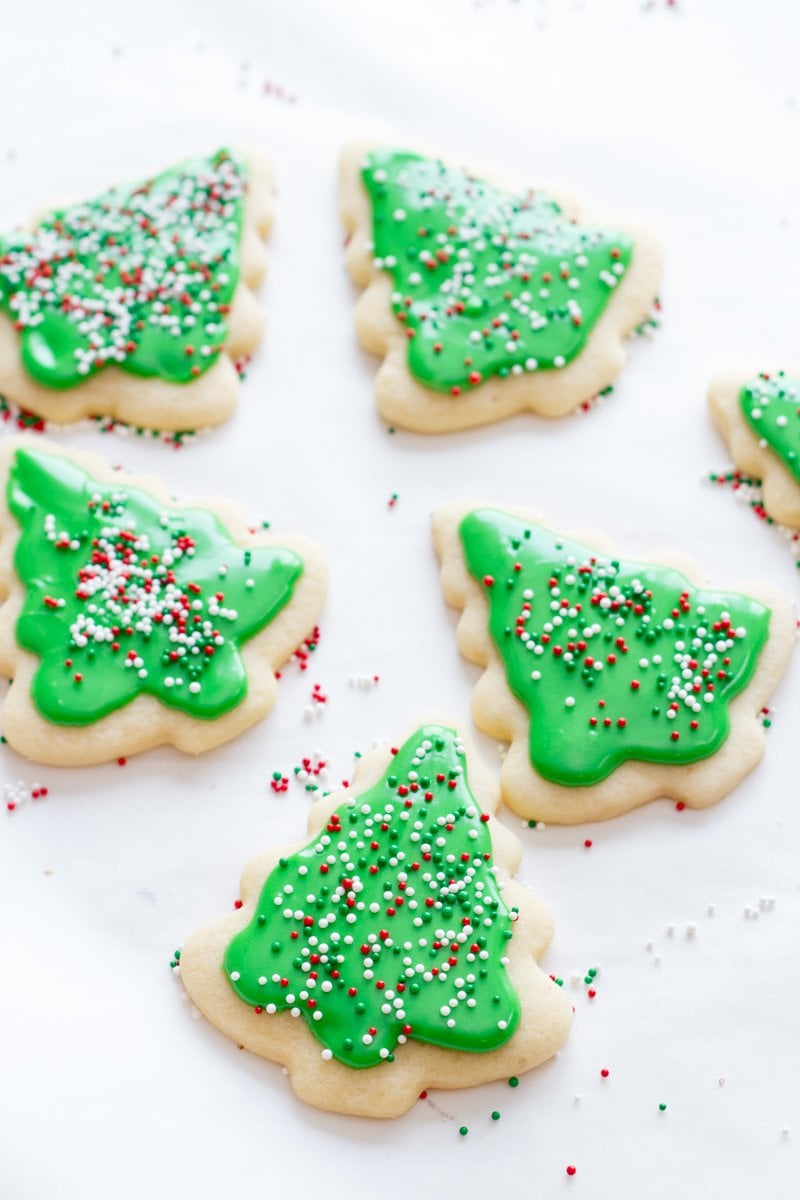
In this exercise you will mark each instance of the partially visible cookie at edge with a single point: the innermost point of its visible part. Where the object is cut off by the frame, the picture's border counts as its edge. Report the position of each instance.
(615, 682)
(393, 951)
(137, 304)
(471, 328)
(758, 415)
(130, 620)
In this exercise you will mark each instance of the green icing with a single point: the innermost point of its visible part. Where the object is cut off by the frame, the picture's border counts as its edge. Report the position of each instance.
(124, 596)
(486, 283)
(389, 924)
(141, 277)
(771, 407)
(613, 660)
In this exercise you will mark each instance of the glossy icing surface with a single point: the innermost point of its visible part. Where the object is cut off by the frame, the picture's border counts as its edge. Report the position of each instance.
(142, 277)
(612, 660)
(124, 596)
(485, 282)
(389, 924)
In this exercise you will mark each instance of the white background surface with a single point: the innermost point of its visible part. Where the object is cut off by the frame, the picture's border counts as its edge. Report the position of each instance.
(685, 117)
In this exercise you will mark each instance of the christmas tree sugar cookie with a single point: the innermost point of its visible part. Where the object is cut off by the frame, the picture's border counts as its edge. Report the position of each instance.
(136, 304)
(393, 951)
(130, 620)
(615, 681)
(483, 302)
(758, 415)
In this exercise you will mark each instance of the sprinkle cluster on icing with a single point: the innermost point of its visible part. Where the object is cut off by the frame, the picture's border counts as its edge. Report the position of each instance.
(388, 925)
(486, 283)
(125, 597)
(613, 660)
(142, 277)
(771, 407)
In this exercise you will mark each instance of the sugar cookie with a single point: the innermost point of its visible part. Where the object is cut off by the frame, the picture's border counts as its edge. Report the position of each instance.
(378, 959)
(759, 418)
(480, 302)
(132, 621)
(615, 681)
(137, 304)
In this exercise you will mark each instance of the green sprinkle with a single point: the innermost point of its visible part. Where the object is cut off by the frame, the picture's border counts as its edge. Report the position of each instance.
(662, 1107)
(463, 1131)
(531, 824)
(495, 1115)
(513, 1081)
